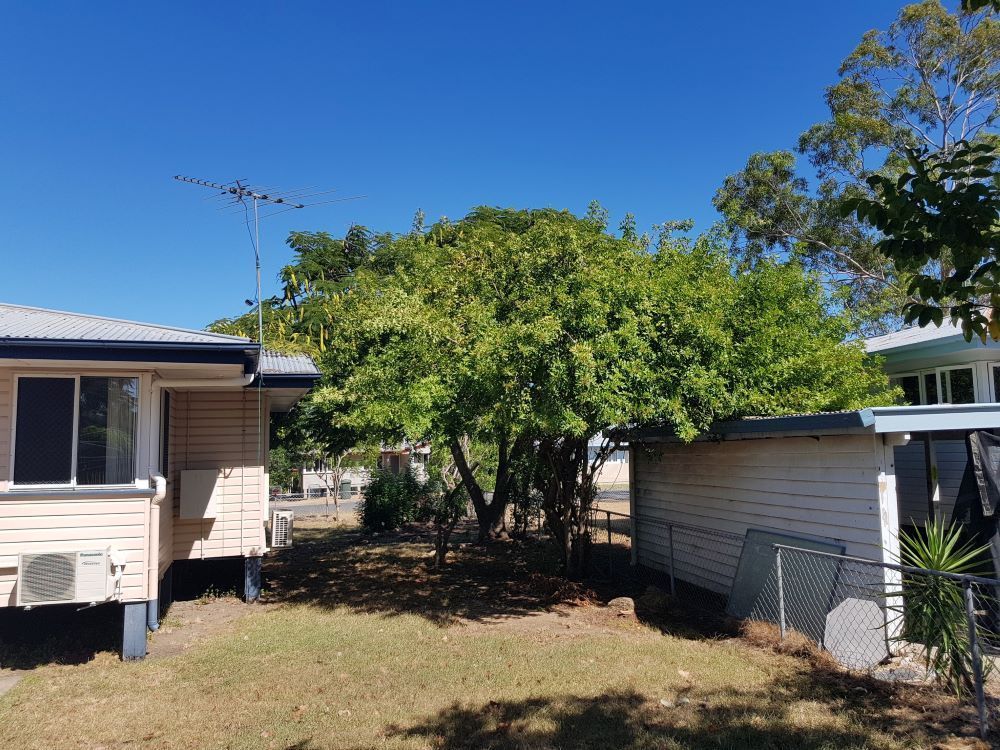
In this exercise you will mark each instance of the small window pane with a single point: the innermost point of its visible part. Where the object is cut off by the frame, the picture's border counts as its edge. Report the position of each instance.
(109, 411)
(960, 387)
(930, 387)
(996, 383)
(911, 388)
(43, 447)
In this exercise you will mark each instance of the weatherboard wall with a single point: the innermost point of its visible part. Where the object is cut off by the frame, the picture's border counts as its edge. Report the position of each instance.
(815, 487)
(218, 430)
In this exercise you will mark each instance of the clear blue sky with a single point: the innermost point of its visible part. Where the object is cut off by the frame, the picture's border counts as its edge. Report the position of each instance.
(440, 106)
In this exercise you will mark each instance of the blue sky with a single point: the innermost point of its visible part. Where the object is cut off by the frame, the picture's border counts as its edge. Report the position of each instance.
(440, 106)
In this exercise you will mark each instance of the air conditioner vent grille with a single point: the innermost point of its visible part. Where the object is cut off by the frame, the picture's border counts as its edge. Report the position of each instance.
(48, 577)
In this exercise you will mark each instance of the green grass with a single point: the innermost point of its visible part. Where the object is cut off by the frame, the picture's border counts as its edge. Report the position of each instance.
(385, 672)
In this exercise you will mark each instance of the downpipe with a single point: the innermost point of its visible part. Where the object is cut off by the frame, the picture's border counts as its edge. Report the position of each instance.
(153, 570)
(159, 482)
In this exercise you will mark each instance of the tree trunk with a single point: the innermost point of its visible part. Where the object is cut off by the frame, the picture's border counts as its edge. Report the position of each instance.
(489, 514)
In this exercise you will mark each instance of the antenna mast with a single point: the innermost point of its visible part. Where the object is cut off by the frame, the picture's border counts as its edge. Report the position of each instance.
(239, 193)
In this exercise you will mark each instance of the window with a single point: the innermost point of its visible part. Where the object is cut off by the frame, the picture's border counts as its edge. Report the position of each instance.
(958, 386)
(76, 430)
(911, 388)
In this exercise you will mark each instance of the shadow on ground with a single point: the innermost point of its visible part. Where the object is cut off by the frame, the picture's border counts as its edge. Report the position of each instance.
(58, 635)
(772, 720)
(393, 574)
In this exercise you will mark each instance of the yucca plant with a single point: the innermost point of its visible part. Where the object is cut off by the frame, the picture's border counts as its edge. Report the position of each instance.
(934, 611)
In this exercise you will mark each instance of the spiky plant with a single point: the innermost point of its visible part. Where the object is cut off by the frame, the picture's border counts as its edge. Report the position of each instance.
(934, 610)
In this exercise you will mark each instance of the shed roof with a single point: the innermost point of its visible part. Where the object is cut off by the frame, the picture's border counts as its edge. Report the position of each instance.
(880, 419)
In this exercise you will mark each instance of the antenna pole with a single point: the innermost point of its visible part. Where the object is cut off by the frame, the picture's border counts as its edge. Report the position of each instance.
(260, 302)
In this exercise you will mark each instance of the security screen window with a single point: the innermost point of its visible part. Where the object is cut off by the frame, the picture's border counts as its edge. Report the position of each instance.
(94, 419)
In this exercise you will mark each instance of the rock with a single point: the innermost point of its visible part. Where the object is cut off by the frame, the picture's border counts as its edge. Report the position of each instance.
(623, 604)
(654, 600)
(665, 703)
(683, 701)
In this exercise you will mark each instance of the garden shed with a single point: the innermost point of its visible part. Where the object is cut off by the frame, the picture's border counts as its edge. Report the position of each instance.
(829, 478)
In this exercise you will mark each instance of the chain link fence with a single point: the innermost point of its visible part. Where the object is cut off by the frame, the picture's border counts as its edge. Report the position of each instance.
(872, 617)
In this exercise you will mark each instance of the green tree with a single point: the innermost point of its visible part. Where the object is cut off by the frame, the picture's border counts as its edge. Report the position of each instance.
(930, 80)
(944, 206)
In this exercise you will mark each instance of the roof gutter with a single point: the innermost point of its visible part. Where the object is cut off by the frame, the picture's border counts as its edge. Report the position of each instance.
(126, 351)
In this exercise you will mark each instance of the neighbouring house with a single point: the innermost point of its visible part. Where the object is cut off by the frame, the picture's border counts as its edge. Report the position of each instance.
(847, 481)
(614, 471)
(412, 456)
(128, 450)
(320, 478)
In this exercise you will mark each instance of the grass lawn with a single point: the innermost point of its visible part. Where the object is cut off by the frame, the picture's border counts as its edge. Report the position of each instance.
(360, 645)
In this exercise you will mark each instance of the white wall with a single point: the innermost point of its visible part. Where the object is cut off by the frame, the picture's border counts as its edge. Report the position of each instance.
(820, 488)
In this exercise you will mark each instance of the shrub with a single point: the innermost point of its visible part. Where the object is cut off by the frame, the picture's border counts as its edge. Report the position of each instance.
(934, 610)
(391, 500)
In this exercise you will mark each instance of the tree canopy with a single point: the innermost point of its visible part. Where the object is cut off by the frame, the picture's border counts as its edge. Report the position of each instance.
(928, 81)
(533, 330)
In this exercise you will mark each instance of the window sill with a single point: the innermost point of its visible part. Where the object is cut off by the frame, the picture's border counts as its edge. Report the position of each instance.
(76, 493)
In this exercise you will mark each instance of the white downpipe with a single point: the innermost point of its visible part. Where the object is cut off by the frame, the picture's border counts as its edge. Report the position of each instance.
(159, 482)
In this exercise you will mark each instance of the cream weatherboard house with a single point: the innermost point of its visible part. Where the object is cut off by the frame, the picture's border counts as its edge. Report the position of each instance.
(126, 448)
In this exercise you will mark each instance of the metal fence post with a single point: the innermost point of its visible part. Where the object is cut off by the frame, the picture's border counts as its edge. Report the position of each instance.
(670, 543)
(977, 657)
(611, 565)
(781, 593)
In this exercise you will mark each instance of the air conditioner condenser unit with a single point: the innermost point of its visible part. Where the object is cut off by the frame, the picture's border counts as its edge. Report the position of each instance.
(79, 576)
(281, 528)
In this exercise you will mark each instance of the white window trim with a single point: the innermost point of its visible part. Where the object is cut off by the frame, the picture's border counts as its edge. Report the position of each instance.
(971, 367)
(991, 369)
(75, 376)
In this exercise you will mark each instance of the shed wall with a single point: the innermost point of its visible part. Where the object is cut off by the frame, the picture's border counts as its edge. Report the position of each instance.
(822, 488)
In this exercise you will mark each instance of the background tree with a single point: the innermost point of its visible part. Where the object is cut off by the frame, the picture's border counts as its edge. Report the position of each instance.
(930, 80)
(945, 206)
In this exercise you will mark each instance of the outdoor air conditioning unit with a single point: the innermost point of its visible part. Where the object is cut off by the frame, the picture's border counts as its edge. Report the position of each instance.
(281, 528)
(83, 576)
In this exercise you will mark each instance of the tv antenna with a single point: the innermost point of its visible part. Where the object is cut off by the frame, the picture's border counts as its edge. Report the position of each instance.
(240, 196)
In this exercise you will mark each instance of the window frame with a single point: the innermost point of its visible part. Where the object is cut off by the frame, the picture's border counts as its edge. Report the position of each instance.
(75, 377)
(940, 371)
(919, 375)
(991, 381)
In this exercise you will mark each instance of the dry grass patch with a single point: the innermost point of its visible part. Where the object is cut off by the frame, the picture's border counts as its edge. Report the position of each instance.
(363, 646)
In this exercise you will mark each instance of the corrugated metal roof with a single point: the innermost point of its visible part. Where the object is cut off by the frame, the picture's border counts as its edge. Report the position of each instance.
(20, 322)
(275, 363)
(912, 336)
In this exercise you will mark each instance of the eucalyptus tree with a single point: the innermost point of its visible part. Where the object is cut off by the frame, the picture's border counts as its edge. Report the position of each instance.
(930, 80)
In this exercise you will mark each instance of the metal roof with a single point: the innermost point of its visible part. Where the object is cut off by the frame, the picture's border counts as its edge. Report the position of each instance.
(54, 334)
(878, 419)
(913, 336)
(36, 323)
(275, 363)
